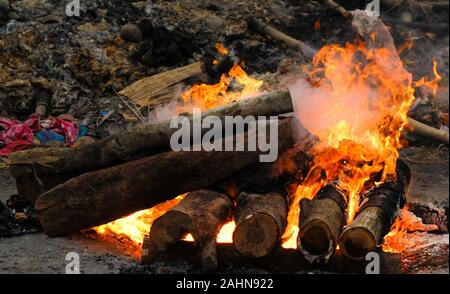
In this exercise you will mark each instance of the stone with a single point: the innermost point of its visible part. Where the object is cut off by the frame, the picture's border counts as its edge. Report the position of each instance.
(131, 33)
(216, 23)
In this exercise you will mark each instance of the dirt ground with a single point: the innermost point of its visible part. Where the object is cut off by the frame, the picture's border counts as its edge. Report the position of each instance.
(36, 253)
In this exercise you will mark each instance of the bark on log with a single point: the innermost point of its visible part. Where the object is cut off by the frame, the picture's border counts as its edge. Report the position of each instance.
(424, 130)
(321, 223)
(279, 261)
(336, 7)
(260, 223)
(290, 42)
(137, 143)
(376, 216)
(200, 213)
(262, 178)
(105, 195)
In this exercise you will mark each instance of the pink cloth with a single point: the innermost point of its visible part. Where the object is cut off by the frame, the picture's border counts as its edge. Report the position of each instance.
(66, 128)
(15, 131)
(18, 136)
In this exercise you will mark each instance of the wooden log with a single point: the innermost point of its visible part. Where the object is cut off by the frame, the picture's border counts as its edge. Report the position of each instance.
(262, 178)
(375, 216)
(426, 131)
(279, 261)
(138, 142)
(439, 28)
(200, 213)
(336, 7)
(321, 223)
(290, 42)
(105, 195)
(260, 223)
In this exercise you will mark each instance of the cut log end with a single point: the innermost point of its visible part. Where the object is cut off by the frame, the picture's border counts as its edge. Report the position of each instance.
(200, 213)
(364, 234)
(356, 242)
(260, 222)
(321, 222)
(257, 236)
(316, 238)
(170, 228)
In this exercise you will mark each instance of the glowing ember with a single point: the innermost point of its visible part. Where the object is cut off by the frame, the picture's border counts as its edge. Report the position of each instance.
(225, 235)
(221, 49)
(397, 240)
(355, 101)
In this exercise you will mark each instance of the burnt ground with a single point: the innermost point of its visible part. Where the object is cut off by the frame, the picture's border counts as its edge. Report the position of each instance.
(36, 253)
(81, 61)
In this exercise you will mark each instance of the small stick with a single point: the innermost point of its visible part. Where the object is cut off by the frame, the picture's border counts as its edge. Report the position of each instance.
(333, 5)
(292, 43)
(424, 130)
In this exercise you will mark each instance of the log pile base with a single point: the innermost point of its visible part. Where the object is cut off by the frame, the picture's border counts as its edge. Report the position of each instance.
(280, 261)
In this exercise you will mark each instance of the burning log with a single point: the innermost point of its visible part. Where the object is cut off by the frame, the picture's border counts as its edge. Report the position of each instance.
(321, 223)
(260, 223)
(417, 127)
(375, 216)
(32, 168)
(279, 261)
(200, 213)
(98, 197)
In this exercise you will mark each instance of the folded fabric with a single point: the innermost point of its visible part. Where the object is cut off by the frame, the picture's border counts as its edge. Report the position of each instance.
(47, 136)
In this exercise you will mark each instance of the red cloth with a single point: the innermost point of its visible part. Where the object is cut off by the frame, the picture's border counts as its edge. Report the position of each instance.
(14, 147)
(18, 136)
(67, 128)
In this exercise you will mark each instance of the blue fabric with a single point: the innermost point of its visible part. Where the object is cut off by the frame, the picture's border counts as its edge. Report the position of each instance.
(47, 136)
(83, 131)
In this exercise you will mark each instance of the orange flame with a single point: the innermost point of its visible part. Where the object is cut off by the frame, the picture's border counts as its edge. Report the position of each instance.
(432, 84)
(134, 227)
(397, 240)
(225, 235)
(209, 96)
(221, 49)
(356, 102)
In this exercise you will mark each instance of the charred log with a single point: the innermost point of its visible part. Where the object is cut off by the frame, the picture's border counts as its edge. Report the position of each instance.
(105, 195)
(376, 215)
(321, 223)
(200, 213)
(260, 223)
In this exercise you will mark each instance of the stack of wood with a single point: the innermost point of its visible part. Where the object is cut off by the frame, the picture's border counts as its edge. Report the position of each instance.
(119, 175)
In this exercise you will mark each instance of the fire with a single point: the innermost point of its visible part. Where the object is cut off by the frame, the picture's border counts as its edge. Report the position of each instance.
(355, 101)
(397, 240)
(221, 49)
(225, 235)
(134, 227)
(210, 96)
(433, 84)
(137, 225)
